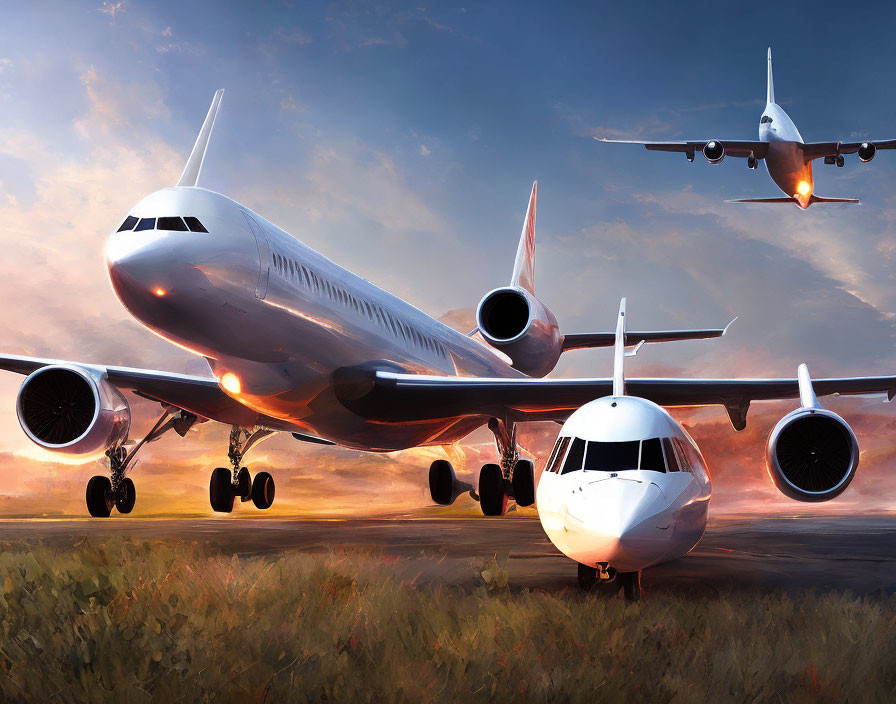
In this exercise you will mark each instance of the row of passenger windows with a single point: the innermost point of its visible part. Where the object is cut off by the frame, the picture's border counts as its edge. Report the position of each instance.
(656, 454)
(312, 281)
(177, 224)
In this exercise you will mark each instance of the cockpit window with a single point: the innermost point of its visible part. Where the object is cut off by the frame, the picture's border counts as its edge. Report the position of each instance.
(574, 456)
(652, 455)
(145, 224)
(612, 456)
(175, 224)
(128, 223)
(671, 460)
(765, 120)
(194, 224)
(556, 457)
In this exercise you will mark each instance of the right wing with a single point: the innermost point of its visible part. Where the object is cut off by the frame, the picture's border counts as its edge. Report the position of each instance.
(733, 147)
(580, 341)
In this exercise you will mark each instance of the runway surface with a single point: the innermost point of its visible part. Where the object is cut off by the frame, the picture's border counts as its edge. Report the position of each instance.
(791, 554)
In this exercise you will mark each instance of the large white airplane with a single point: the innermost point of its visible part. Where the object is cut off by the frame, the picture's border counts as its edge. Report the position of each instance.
(788, 158)
(297, 344)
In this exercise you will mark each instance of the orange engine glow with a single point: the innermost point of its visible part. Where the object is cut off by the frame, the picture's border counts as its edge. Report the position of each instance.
(803, 188)
(231, 383)
(160, 292)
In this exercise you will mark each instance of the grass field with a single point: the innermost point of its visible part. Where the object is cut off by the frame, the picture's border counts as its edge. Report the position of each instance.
(137, 620)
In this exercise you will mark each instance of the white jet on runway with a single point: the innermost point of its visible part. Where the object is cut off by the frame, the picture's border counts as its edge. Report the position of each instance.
(297, 344)
(788, 158)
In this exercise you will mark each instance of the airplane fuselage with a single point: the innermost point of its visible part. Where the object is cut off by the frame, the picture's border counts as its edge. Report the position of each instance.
(785, 161)
(279, 320)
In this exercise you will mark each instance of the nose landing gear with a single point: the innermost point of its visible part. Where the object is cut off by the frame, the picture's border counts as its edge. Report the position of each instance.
(606, 580)
(227, 484)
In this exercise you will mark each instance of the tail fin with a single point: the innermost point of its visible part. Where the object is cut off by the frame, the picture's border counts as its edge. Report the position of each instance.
(524, 266)
(770, 93)
(190, 176)
(619, 353)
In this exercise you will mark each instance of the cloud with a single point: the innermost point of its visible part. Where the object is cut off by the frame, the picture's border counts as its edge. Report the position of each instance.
(112, 8)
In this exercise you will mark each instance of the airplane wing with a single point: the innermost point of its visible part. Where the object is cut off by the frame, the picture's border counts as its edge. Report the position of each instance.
(817, 150)
(733, 147)
(580, 341)
(199, 395)
(392, 397)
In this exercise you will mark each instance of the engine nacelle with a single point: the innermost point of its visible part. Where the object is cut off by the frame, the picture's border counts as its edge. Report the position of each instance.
(72, 410)
(812, 454)
(866, 151)
(714, 151)
(515, 322)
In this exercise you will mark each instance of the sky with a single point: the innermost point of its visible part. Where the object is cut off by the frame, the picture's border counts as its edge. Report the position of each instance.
(401, 141)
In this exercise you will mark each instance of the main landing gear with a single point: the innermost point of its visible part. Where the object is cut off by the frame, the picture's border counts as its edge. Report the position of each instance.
(228, 484)
(104, 493)
(607, 580)
(513, 478)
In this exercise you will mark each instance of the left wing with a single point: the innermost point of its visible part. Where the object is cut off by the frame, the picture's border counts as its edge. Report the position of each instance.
(199, 395)
(391, 397)
(733, 147)
(817, 150)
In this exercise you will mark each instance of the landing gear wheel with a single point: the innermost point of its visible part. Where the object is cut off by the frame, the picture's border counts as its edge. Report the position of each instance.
(631, 584)
(263, 490)
(441, 482)
(220, 490)
(840, 160)
(751, 162)
(127, 496)
(99, 497)
(244, 485)
(587, 577)
(492, 497)
(524, 483)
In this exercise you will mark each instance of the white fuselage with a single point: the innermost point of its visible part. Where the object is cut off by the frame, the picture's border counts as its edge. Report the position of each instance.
(626, 487)
(786, 164)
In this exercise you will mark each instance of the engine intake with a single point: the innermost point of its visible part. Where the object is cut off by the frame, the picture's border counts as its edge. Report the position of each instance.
(812, 455)
(714, 151)
(72, 410)
(515, 322)
(866, 151)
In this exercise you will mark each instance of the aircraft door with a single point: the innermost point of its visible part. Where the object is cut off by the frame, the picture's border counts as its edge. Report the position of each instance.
(264, 257)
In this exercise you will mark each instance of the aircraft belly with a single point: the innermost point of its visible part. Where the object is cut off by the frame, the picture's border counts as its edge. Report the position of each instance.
(786, 166)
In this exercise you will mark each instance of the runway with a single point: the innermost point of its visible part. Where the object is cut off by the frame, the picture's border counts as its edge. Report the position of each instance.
(790, 554)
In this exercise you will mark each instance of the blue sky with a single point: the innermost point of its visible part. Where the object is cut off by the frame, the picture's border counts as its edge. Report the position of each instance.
(402, 141)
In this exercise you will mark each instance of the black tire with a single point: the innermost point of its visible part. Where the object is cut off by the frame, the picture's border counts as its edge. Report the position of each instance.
(631, 585)
(220, 490)
(99, 497)
(492, 497)
(524, 483)
(263, 490)
(441, 482)
(244, 484)
(127, 496)
(587, 577)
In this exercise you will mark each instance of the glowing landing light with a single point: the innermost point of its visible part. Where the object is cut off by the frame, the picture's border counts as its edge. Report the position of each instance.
(231, 383)
(803, 188)
(160, 292)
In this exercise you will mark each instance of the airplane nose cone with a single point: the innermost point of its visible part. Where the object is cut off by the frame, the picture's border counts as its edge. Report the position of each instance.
(617, 519)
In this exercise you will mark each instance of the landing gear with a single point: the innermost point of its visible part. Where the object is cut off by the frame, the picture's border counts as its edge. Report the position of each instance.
(119, 491)
(752, 162)
(631, 585)
(492, 491)
(226, 484)
(840, 161)
(512, 479)
(608, 581)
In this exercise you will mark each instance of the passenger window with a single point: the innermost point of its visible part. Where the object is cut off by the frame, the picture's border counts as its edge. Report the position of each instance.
(671, 462)
(194, 224)
(128, 223)
(574, 457)
(652, 455)
(556, 457)
(145, 224)
(174, 224)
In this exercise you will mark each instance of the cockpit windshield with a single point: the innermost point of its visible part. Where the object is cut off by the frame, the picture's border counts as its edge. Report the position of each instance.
(765, 120)
(614, 456)
(174, 223)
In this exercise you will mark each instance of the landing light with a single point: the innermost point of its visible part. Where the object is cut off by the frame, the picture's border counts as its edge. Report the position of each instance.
(160, 292)
(231, 383)
(803, 188)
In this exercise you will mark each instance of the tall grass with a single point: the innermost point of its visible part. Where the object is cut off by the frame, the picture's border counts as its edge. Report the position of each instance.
(131, 621)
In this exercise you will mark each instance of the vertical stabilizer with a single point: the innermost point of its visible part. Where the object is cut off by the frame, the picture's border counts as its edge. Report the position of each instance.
(190, 176)
(770, 94)
(619, 353)
(524, 266)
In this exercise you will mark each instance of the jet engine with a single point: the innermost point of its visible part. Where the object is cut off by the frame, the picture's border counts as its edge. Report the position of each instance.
(812, 454)
(714, 151)
(72, 410)
(866, 151)
(515, 322)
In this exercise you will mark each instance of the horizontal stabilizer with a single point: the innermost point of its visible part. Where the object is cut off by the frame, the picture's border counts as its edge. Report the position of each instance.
(821, 199)
(784, 199)
(588, 340)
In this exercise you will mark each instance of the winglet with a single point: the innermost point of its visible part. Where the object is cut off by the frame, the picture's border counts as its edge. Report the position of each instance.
(190, 176)
(807, 393)
(725, 330)
(619, 353)
(524, 266)
(770, 94)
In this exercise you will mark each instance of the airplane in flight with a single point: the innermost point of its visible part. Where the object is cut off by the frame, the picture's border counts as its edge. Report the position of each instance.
(297, 344)
(787, 157)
